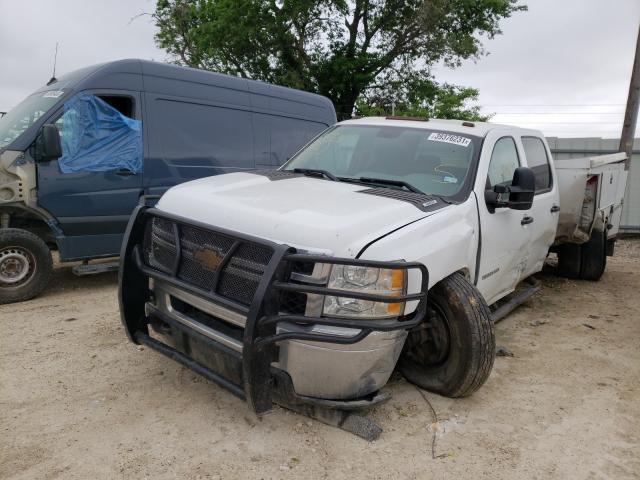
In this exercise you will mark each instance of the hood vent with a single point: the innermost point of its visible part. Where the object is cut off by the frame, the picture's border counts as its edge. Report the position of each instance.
(277, 174)
(426, 203)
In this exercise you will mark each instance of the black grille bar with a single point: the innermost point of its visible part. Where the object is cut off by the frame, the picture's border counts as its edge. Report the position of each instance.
(206, 294)
(208, 259)
(183, 359)
(223, 264)
(296, 287)
(381, 325)
(176, 237)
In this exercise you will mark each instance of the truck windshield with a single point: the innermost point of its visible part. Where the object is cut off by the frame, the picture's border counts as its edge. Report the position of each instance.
(433, 161)
(26, 114)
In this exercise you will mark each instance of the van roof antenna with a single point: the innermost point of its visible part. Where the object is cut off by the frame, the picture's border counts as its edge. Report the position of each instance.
(55, 60)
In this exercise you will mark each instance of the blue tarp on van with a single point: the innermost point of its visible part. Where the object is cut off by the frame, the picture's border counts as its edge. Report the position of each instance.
(98, 138)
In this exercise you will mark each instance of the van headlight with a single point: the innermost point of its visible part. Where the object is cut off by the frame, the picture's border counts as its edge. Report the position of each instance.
(380, 281)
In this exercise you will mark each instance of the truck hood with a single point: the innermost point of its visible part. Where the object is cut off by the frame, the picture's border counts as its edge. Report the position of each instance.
(313, 214)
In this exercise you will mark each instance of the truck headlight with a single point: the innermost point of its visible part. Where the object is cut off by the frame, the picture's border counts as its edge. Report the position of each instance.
(379, 281)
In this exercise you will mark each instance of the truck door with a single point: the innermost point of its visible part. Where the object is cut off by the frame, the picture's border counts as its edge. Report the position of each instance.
(546, 205)
(505, 233)
(92, 207)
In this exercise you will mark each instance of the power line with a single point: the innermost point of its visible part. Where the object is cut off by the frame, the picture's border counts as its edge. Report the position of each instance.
(543, 122)
(559, 113)
(553, 104)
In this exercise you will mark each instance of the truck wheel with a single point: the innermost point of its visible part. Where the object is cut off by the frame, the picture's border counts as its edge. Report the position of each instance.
(25, 265)
(594, 256)
(569, 260)
(452, 352)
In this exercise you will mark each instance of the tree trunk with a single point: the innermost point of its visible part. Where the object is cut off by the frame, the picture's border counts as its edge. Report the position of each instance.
(345, 103)
(344, 112)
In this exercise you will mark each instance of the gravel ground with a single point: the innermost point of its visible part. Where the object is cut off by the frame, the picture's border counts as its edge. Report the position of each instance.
(77, 400)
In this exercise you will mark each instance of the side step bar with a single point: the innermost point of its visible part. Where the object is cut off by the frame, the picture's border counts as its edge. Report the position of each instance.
(516, 299)
(95, 268)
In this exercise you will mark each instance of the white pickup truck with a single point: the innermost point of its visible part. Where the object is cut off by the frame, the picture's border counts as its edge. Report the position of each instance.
(385, 243)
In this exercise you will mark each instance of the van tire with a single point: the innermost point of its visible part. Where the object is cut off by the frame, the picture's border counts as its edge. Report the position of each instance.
(594, 256)
(452, 352)
(20, 248)
(569, 260)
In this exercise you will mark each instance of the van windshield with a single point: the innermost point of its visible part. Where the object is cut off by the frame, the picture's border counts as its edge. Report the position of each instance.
(26, 114)
(432, 161)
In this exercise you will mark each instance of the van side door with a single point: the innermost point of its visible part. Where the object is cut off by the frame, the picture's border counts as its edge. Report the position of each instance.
(194, 138)
(546, 202)
(504, 233)
(91, 207)
(278, 138)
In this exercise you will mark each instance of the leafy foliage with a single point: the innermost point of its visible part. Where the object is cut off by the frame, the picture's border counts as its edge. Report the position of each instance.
(338, 48)
(420, 96)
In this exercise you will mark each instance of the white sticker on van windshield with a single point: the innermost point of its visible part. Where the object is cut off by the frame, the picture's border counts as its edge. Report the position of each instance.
(53, 94)
(448, 138)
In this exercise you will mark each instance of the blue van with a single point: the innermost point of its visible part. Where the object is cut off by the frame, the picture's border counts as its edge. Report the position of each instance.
(77, 155)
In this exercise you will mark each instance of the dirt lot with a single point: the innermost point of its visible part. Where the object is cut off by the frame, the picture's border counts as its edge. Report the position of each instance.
(78, 401)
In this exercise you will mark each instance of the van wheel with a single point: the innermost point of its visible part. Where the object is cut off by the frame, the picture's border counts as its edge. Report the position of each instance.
(25, 265)
(594, 256)
(569, 260)
(452, 352)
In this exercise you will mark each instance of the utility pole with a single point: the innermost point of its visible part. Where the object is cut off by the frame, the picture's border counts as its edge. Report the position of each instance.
(633, 102)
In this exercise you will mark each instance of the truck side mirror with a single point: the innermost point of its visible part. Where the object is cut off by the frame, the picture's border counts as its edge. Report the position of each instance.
(48, 145)
(522, 189)
(517, 196)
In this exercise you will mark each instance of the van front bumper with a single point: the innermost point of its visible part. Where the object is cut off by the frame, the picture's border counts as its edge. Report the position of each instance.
(225, 312)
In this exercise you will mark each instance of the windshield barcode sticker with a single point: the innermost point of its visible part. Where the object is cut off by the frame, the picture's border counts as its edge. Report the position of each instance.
(53, 94)
(448, 138)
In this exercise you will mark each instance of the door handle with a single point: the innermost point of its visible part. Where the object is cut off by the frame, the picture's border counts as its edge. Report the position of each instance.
(124, 172)
(555, 209)
(526, 220)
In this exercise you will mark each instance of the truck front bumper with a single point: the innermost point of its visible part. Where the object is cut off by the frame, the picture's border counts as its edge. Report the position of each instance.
(220, 303)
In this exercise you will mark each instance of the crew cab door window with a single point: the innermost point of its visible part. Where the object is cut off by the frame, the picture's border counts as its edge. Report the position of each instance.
(504, 161)
(538, 161)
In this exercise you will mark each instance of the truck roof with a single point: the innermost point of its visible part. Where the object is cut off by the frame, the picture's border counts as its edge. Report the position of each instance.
(478, 129)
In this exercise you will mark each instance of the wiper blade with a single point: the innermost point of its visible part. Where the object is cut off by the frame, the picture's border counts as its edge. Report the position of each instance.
(393, 183)
(313, 171)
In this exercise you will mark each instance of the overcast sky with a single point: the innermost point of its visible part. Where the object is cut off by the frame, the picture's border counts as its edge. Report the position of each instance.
(563, 66)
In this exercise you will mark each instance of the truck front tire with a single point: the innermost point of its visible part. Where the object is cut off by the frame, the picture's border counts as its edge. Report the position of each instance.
(452, 353)
(25, 265)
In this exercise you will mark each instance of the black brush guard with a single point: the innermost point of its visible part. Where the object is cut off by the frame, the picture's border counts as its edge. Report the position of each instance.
(262, 316)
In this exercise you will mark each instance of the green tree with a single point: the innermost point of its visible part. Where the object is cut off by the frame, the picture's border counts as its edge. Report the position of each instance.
(420, 96)
(344, 49)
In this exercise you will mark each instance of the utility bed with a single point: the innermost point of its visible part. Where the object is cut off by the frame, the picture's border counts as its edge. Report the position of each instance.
(591, 196)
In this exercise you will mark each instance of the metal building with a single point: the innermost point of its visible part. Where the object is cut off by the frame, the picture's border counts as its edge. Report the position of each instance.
(562, 148)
